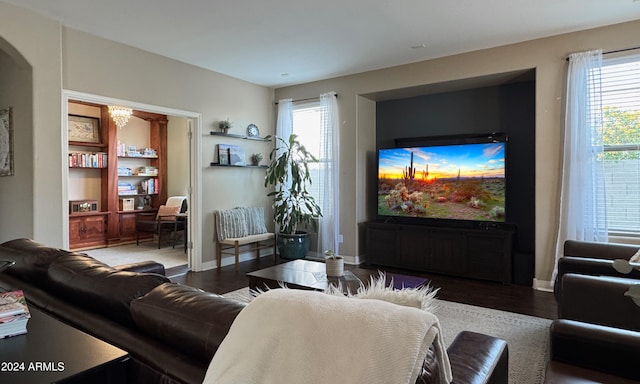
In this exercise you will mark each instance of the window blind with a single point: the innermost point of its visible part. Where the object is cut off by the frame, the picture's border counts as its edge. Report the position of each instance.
(307, 118)
(620, 97)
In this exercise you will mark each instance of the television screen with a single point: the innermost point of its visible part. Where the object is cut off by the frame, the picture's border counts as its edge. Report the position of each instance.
(458, 182)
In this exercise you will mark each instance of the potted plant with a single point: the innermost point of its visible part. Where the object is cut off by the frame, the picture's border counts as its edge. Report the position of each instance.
(256, 158)
(294, 207)
(334, 264)
(225, 125)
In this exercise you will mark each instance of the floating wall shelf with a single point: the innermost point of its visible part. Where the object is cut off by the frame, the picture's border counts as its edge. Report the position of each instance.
(257, 138)
(238, 166)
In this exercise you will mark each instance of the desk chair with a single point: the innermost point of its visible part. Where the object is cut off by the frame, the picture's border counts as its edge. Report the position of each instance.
(164, 221)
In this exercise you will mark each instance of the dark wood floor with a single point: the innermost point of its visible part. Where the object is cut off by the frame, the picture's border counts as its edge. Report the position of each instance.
(511, 298)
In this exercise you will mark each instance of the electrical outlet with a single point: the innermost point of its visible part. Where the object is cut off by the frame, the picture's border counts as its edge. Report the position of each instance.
(340, 239)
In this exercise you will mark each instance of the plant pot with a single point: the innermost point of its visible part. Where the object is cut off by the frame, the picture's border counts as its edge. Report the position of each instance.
(335, 266)
(291, 247)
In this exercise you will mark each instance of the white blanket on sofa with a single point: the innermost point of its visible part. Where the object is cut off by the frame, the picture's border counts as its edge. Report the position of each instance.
(287, 336)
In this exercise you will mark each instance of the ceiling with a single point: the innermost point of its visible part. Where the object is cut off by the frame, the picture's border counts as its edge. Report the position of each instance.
(284, 42)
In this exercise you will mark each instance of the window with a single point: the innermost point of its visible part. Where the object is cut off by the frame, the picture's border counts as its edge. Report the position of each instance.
(621, 139)
(316, 126)
(307, 124)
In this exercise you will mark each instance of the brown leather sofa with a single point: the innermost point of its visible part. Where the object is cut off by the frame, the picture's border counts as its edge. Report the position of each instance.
(582, 353)
(596, 338)
(592, 258)
(599, 300)
(172, 331)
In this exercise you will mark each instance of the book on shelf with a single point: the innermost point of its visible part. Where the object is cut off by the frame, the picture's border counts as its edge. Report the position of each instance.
(125, 171)
(126, 189)
(88, 159)
(147, 171)
(14, 314)
(149, 186)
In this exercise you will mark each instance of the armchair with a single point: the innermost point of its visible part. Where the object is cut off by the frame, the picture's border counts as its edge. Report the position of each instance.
(599, 300)
(589, 353)
(164, 221)
(592, 258)
(596, 338)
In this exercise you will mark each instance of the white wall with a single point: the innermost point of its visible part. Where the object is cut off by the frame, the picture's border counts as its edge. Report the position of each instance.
(66, 59)
(547, 56)
(96, 66)
(15, 78)
(177, 156)
(33, 42)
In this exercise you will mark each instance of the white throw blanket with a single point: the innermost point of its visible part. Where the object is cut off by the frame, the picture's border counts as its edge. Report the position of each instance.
(287, 336)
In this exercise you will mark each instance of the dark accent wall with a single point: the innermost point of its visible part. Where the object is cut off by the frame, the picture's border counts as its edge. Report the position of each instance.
(508, 108)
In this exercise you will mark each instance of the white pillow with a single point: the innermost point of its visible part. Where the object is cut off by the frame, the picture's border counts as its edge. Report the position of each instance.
(255, 220)
(231, 223)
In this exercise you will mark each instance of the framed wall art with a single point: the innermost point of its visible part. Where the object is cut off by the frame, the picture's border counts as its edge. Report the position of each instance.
(237, 156)
(6, 142)
(84, 129)
(223, 154)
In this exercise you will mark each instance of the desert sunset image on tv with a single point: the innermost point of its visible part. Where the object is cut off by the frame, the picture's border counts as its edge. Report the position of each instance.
(460, 182)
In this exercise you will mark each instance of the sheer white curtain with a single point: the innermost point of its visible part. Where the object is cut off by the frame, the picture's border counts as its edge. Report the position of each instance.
(582, 195)
(329, 228)
(284, 124)
(284, 128)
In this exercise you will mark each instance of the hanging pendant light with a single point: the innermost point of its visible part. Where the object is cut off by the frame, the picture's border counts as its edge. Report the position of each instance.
(120, 115)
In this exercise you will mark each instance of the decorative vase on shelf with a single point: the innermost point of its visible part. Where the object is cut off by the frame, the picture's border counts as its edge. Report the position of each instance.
(334, 264)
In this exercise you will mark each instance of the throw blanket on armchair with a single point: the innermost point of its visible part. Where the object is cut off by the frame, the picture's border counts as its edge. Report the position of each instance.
(287, 336)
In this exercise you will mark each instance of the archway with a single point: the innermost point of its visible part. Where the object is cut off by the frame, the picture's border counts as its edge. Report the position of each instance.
(16, 94)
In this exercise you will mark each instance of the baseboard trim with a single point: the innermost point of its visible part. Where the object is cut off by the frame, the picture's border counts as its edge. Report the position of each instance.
(542, 285)
(231, 260)
(207, 265)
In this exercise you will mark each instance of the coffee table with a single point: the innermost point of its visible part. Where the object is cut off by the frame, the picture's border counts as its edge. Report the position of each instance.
(54, 352)
(311, 275)
(300, 274)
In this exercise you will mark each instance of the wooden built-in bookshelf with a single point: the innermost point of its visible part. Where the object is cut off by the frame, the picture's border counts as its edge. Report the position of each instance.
(118, 226)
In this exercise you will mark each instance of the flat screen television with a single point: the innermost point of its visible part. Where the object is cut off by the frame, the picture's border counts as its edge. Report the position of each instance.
(459, 179)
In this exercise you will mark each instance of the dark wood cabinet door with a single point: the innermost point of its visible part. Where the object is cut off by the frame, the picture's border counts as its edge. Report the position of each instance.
(413, 250)
(381, 246)
(127, 226)
(447, 252)
(75, 231)
(489, 256)
(95, 228)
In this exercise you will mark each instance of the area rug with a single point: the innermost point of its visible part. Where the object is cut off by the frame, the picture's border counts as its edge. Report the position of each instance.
(526, 336)
(130, 253)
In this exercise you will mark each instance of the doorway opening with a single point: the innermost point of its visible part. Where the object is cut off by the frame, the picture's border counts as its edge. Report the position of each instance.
(175, 168)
